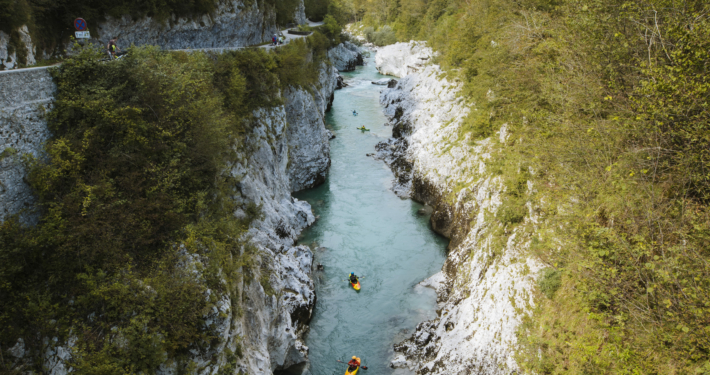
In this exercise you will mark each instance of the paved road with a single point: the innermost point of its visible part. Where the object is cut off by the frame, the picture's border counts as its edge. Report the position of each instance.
(289, 38)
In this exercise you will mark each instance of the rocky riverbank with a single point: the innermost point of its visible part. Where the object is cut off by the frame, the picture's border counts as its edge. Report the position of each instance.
(486, 284)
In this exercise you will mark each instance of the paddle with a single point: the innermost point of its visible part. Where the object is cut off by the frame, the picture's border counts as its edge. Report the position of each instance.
(345, 363)
(359, 278)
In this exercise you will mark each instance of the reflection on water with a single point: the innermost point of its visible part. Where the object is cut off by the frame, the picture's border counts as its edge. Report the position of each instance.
(366, 229)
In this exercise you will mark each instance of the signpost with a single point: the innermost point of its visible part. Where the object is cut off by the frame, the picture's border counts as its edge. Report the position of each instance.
(81, 32)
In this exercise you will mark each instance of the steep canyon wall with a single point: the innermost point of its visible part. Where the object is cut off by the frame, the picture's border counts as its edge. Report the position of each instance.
(287, 151)
(486, 284)
(234, 23)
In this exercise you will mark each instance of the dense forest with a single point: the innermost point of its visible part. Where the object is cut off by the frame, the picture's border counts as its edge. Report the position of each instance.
(607, 102)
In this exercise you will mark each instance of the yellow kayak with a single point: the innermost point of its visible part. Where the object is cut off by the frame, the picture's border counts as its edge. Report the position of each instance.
(356, 287)
(347, 372)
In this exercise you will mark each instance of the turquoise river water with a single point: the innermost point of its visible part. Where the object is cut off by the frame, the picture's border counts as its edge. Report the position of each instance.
(365, 228)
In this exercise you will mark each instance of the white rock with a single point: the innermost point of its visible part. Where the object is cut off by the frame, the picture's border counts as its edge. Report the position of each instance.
(9, 60)
(400, 59)
(483, 298)
(232, 24)
(345, 56)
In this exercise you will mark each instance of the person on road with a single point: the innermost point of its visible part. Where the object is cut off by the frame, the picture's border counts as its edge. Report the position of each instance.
(112, 47)
(273, 40)
(354, 363)
(281, 39)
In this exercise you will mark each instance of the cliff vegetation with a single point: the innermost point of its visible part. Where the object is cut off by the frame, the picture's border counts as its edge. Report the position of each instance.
(137, 236)
(606, 108)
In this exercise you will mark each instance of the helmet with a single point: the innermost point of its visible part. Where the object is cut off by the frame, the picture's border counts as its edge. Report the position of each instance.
(354, 357)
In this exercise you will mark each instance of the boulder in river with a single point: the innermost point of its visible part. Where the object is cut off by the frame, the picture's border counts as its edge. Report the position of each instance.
(385, 82)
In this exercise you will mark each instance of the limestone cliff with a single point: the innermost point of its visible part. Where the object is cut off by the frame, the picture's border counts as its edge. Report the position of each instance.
(287, 150)
(24, 98)
(234, 23)
(400, 59)
(345, 57)
(485, 285)
(11, 56)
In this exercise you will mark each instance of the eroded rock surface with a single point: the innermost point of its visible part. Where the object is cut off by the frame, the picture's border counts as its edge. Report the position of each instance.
(9, 56)
(234, 23)
(309, 157)
(24, 100)
(486, 282)
(345, 56)
(400, 59)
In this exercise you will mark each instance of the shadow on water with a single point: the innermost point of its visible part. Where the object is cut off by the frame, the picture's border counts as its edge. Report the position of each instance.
(364, 228)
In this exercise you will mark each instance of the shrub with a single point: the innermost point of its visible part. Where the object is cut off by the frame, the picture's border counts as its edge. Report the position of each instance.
(383, 37)
(549, 281)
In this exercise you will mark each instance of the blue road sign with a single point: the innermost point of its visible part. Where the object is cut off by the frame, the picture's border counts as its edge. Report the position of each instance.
(80, 24)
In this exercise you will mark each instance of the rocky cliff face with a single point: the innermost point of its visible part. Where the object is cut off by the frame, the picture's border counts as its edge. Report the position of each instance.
(233, 24)
(308, 160)
(486, 283)
(345, 57)
(24, 99)
(400, 59)
(9, 56)
(288, 151)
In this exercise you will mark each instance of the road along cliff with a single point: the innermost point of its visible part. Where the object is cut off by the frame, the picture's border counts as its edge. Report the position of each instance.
(232, 24)
(486, 284)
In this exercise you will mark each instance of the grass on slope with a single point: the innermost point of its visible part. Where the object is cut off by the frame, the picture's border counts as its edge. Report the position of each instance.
(607, 104)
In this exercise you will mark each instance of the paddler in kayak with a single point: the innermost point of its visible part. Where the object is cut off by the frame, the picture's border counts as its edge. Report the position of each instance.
(354, 112)
(353, 365)
(362, 128)
(353, 279)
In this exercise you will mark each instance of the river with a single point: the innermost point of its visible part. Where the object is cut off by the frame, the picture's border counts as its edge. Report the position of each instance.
(365, 228)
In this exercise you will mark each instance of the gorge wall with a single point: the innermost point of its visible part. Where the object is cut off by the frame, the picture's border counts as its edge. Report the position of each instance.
(486, 284)
(287, 151)
(234, 23)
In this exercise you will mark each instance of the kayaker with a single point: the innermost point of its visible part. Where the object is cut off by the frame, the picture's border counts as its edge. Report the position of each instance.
(354, 113)
(354, 363)
(353, 279)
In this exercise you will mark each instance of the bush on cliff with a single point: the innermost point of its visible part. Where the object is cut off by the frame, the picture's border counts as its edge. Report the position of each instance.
(137, 218)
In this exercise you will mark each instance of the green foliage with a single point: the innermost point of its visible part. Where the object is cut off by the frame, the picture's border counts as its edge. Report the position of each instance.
(331, 28)
(136, 207)
(8, 152)
(549, 281)
(316, 9)
(383, 37)
(285, 10)
(606, 101)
